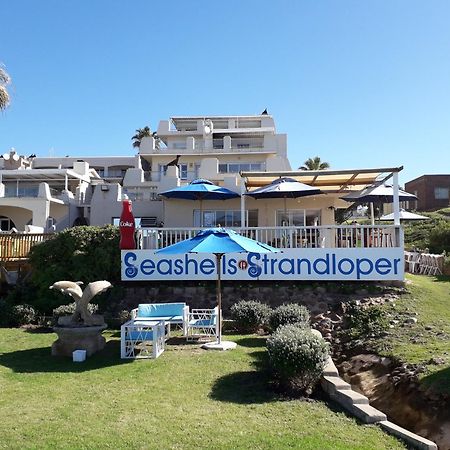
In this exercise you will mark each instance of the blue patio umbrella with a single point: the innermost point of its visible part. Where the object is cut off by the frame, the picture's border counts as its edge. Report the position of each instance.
(218, 241)
(200, 189)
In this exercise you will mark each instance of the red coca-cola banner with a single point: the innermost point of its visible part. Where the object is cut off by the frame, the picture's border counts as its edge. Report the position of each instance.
(127, 227)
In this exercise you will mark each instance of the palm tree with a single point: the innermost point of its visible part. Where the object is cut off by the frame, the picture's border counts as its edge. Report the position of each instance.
(4, 96)
(142, 133)
(314, 164)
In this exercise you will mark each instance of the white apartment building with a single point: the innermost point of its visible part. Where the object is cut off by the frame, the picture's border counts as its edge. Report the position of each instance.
(59, 192)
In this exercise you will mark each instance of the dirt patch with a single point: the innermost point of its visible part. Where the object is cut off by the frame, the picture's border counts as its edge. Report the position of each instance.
(395, 390)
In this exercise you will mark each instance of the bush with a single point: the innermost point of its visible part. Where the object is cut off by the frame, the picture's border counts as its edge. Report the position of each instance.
(67, 310)
(23, 315)
(5, 313)
(289, 313)
(250, 315)
(366, 321)
(298, 357)
(79, 254)
(439, 239)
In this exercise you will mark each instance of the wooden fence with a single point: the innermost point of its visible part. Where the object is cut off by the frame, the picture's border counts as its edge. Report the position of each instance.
(15, 247)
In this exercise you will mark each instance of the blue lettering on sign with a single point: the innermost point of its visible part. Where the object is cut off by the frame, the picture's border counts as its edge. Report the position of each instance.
(260, 265)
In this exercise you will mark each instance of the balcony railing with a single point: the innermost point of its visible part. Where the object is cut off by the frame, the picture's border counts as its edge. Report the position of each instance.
(332, 236)
(18, 246)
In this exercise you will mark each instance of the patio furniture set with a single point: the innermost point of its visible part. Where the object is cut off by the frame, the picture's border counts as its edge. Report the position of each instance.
(145, 335)
(424, 263)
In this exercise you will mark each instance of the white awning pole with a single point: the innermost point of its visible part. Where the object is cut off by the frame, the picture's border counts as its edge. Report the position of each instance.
(396, 200)
(243, 224)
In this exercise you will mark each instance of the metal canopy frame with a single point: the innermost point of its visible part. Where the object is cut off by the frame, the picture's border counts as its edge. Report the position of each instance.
(329, 181)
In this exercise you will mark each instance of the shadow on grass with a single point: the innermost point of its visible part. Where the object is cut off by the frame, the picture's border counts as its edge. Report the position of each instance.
(253, 386)
(252, 342)
(243, 388)
(438, 381)
(38, 360)
(441, 278)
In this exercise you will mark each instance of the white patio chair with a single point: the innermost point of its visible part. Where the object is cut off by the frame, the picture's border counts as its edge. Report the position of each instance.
(203, 324)
(412, 260)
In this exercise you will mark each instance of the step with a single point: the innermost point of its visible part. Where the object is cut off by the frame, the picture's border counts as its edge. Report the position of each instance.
(330, 369)
(410, 438)
(367, 413)
(332, 384)
(348, 397)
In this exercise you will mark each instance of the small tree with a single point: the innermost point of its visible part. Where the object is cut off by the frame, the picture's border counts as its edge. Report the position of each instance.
(314, 164)
(141, 133)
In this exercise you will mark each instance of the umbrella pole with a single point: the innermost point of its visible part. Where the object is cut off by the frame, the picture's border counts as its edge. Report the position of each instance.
(372, 215)
(201, 214)
(219, 296)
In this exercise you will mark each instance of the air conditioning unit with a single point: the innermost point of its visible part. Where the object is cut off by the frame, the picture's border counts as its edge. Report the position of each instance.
(104, 187)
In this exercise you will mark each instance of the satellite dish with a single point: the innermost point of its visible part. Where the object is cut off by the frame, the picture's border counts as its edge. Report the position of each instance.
(6, 156)
(15, 157)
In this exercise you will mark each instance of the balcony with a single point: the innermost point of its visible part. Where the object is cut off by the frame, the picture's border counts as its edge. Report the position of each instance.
(331, 236)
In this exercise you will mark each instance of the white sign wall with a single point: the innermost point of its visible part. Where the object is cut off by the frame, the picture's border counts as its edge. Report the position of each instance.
(316, 264)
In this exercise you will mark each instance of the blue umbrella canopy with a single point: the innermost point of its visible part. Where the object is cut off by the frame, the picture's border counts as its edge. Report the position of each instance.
(218, 241)
(381, 194)
(284, 188)
(200, 190)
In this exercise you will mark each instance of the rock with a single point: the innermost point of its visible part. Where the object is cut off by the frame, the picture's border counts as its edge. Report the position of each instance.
(436, 361)
(362, 292)
(411, 320)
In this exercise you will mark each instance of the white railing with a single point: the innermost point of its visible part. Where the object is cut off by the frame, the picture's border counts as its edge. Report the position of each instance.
(331, 236)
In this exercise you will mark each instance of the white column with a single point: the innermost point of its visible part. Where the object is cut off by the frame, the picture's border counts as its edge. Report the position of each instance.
(396, 200)
(66, 182)
(243, 221)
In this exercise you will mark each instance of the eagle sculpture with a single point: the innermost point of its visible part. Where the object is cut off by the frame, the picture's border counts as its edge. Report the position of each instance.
(82, 298)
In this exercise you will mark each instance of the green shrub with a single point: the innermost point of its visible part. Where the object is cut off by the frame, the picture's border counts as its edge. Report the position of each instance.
(250, 315)
(366, 321)
(439, 239)
(298, 357)
(67, 310)
(289, 313)
(23, 315)
(78, 254)
(5, 313)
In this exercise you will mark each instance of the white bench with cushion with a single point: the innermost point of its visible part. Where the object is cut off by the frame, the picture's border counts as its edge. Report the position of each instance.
(170, 313)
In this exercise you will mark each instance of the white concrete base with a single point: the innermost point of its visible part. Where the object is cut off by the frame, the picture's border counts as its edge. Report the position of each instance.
(224, 345)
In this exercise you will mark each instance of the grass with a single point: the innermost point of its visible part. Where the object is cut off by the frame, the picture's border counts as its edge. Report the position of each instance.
(186, 399)
(428, 300)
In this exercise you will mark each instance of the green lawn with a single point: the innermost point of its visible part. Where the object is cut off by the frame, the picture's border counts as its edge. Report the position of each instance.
(428, 300)
(186, 399)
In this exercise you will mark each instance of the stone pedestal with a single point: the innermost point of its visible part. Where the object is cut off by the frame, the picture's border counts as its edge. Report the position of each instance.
(78, 338)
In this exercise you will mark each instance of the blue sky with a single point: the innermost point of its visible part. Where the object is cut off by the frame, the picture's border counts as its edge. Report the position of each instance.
(359, 83)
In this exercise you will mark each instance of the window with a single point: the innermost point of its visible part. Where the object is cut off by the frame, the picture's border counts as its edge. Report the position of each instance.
(12, 190)
(6, 223)
(238, 167)
(441, 193)
(162, 169)
(225, 218)
(298, 217)
(183, 171)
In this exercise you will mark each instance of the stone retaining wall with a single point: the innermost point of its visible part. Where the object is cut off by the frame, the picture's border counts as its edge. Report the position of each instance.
(317, 297)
